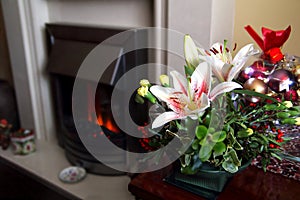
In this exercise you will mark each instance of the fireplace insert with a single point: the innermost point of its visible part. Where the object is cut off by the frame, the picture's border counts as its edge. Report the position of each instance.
(68, 46)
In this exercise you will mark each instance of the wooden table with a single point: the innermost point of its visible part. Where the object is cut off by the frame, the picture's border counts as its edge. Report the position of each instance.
(252, 183)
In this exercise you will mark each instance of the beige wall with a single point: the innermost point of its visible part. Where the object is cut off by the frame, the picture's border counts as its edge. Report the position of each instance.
(120, 13)
(273, 14)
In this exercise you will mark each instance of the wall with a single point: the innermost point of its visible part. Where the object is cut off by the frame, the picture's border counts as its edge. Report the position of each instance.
(222, 22)
(5, 71)
(273, 14)
(129, 13)
(203, 20)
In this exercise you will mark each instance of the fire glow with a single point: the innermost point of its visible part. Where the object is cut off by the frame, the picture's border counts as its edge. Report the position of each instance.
(103, 120)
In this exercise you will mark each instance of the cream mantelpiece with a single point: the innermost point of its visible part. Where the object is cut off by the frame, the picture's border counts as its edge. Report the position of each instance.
(45, 164)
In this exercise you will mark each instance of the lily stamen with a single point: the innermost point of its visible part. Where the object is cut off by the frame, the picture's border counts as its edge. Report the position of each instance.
(234, 48)
(215, 50)
(212, 50)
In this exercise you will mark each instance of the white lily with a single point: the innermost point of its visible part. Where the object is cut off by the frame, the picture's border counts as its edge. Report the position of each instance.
(190, 52)
(188, 98)
(223, 66)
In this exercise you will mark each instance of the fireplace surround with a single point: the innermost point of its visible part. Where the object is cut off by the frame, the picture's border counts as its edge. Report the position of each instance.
(68, 45)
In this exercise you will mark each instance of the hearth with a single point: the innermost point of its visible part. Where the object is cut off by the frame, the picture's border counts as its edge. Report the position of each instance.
(68, 47)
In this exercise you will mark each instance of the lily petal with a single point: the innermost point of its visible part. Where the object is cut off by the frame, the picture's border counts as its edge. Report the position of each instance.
(179, 81)
(201, 80)
(202, 104)
(243, 52)
(243, 55)
(216, 66)
(190, 51)
(236, 69)
(239, 60)
(175, 99)
(165, 118)
(223, 88)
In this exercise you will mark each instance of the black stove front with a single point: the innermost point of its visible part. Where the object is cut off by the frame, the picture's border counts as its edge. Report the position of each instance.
(68, 47)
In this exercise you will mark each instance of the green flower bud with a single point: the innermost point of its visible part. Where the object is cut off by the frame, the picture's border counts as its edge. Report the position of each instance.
(164, 80)
(288, 104)
(283, 115)
(291, 121)
(145, 83)
(139, 99)
(245, 133)
(270, 107)
(297, 121)
(143, 91)
(293, 113)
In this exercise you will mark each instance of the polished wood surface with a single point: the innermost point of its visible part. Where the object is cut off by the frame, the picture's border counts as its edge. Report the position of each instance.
(252, 183)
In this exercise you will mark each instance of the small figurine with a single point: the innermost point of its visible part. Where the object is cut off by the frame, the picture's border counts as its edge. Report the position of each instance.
(23, 141)
(4, 133)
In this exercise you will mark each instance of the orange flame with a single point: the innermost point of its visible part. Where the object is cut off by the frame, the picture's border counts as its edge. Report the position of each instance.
(106, 121)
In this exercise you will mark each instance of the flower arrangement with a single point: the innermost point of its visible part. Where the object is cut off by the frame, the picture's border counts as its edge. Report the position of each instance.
(235, 122)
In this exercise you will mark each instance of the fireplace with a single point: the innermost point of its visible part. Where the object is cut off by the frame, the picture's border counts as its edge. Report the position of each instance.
(68, 47)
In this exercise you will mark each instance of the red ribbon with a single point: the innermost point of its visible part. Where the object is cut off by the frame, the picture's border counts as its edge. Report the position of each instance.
(271, 39)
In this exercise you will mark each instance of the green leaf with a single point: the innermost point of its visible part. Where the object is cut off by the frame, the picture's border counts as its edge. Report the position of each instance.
(261, 148)
(211, 130)
(276, 156)
(254, 145)
(219, 136)
(187, 159)
(195, 144)
(290, 121)
(219, 148)
(189, 150)
(297, 108)
(237, 146)
(188, 170)
(244, 133)
(283, 115)
(234, 157)
(270, 107)
(188, 70)
(256, 94)
(203, 141)
(196, 162)
(229, 166)
(207, 119)
(190, 124)
(293, 113)
(259, 140)
(266, 141)
(201, 131)
(180, 127)
(274, 141)
(205, 153)
(231, 138)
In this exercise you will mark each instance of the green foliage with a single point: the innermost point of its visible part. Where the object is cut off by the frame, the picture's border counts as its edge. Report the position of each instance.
(247, 131)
